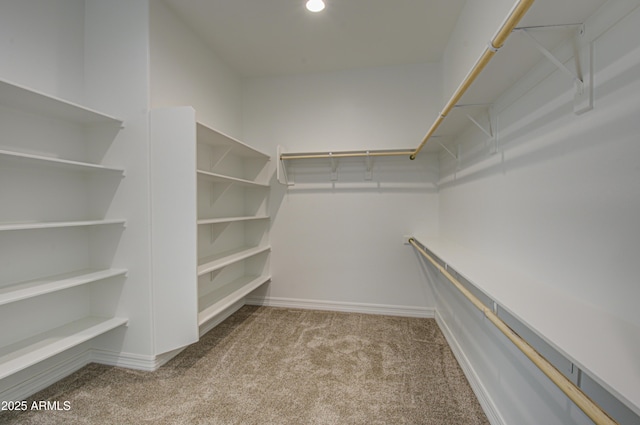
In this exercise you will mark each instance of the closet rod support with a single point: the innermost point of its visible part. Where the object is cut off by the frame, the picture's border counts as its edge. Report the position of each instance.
(561, 66)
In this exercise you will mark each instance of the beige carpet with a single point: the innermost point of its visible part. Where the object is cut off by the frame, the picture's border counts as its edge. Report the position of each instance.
(280, 366)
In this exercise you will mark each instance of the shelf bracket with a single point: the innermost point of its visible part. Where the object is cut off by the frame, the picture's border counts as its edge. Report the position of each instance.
(490, 125)
(581, 77)
(213, 162)
(368, 175)
(447, 150)
(281, 169)
(334, 167)
(486, 130)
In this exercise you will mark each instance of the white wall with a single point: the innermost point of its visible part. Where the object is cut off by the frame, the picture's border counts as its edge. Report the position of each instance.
(475, 27)
(117, 81)
(46, 54)
(560, 204)
(186, 72)
(341, 242)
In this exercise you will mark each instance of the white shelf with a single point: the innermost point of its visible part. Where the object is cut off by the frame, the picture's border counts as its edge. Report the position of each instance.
(231, 219)
(217, 301)
(33, 288)
(600, 344)
(57, 224)
(56, 162)
(219, 178)
(209, 264)
(17, 96)
(209, 136)
(516, 61)
(25, 353)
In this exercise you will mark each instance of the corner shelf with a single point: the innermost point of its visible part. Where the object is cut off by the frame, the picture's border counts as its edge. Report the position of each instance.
(28, 352)
(33, 288)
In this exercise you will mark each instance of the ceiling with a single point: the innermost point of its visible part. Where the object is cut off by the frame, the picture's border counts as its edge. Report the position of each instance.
(280, 37)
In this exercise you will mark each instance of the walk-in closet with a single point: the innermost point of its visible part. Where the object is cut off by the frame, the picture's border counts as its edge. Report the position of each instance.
(324, 211)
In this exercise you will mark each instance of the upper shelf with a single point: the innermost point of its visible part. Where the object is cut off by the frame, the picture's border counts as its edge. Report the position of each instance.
(209, 136)
(605, 347)
(17, 96)
(552, 24)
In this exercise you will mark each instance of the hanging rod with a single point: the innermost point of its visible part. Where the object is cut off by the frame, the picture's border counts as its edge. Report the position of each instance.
(493, 46)
(349, 154)
(588, 406)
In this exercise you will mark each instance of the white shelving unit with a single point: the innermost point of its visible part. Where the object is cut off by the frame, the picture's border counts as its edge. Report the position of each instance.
(233, 242)
(27, 352)
(210, 224)
(56, 234)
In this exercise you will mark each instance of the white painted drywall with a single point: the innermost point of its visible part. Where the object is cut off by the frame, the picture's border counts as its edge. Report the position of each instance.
(47, 53)
(186, 72)
(559, 204)
(341, 242)
(476, 25)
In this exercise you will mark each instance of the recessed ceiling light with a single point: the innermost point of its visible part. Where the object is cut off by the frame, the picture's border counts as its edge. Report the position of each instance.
(315, 5)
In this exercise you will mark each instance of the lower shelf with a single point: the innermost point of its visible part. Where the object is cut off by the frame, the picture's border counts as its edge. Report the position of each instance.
(209, 264)
(219, 300)
(33, 288)
(28, 352)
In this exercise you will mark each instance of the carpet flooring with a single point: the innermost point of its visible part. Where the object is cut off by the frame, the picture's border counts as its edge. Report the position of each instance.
(267, 365)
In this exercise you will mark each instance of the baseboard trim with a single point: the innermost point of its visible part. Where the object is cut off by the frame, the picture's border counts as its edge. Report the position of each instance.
(47, 377)
(485, 400)
(128, 360)
(386, 310)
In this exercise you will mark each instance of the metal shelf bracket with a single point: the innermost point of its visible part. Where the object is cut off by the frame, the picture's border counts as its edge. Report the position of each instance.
(368, 175)
(334, 167)
(582, 76)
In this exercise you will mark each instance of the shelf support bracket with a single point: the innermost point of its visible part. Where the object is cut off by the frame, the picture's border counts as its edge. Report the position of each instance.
(490, 128)
(447, 150)
(334, 167)
(281, 169)
(368, 175)
(213, 162)
(582, 77)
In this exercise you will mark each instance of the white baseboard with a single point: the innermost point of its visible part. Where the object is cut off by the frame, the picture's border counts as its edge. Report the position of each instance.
(47, 377)
(387, 310)
(485, 400)
(128, 360)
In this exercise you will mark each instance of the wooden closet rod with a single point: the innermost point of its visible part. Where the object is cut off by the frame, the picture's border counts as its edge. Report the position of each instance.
(588, 406)
(358, 154)
(494, 45)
